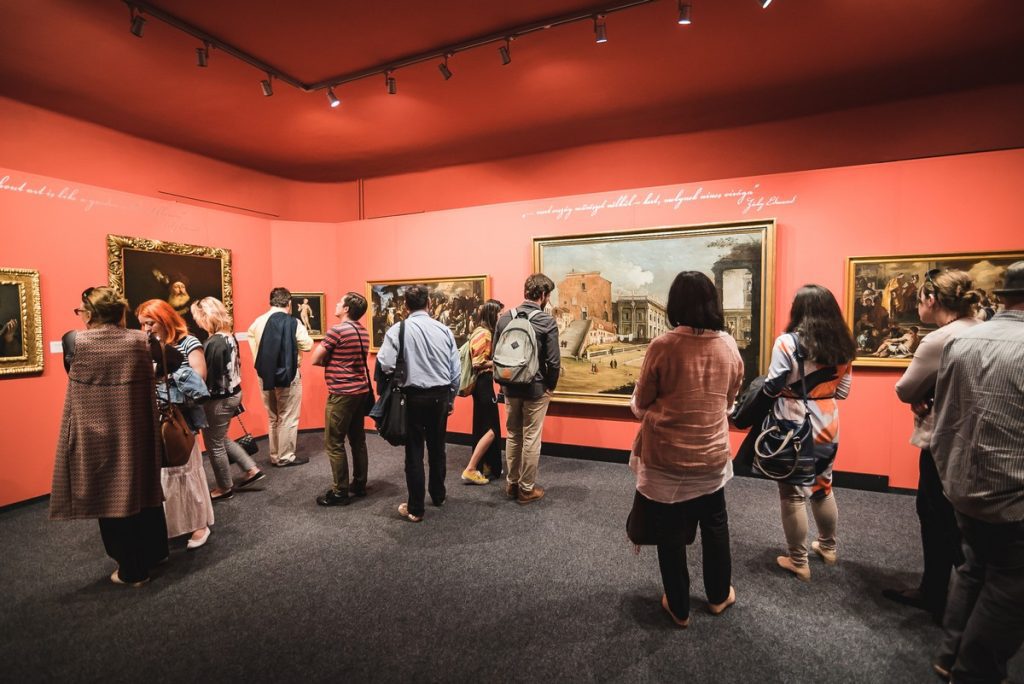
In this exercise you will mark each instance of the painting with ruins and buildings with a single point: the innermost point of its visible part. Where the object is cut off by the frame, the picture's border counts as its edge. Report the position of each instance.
(611, 291)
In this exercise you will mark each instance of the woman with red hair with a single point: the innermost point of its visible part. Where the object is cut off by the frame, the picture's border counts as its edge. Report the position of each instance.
(187, 506)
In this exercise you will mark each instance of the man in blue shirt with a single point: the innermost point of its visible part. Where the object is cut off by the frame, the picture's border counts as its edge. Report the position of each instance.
(432, 381)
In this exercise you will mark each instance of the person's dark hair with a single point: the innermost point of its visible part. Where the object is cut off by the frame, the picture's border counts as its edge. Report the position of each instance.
(815, 315)
(952, 289)
(488, 313)
(106, 305)
(416, 297)
(537, 286)
(693, 301)
(356, 304)
(280, 296)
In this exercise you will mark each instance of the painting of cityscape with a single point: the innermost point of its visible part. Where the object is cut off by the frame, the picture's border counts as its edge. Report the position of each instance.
(881, 299)
(611, 290)
(453, 301)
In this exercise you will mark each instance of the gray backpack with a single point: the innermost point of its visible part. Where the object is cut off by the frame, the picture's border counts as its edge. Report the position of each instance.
(516, 360)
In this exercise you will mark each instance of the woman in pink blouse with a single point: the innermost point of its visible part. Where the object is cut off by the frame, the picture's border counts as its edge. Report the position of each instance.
(681, 456)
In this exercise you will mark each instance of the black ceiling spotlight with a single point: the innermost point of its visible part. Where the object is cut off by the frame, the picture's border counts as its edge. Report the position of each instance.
(684, 13)
(600, 33)
(505, 52)
(443, 67)
(202, 55)
(332, 98)
(764, 3)
(138, 22)
(268, 88)
(391, 84)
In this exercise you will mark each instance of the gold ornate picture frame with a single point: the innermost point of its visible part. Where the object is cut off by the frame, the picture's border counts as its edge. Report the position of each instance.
(21, 322)
(611, 292)
(311, 310)
(881, 299)
(453, 301)
(179, 274)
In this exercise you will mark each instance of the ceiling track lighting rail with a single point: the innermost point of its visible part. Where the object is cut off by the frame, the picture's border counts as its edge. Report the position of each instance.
(596, 15)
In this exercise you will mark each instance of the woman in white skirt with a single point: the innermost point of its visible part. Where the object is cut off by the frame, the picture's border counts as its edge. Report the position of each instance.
(187, 504)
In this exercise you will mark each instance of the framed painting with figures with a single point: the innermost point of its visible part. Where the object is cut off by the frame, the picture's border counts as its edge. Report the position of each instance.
(21, 322)
(453, 301)
(611, 291)
(180, 274)
(882, 296)
(308, 307)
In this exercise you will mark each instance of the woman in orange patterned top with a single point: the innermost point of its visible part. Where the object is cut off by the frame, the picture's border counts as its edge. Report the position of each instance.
(486, 426)
(824, 342)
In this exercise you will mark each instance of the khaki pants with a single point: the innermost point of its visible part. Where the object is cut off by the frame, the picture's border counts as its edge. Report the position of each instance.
(283, 404)
(343, 418)
(794, 520)
(525, 424)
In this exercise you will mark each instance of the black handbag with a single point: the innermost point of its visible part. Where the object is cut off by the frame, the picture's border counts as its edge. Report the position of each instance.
(784, 449)
(650, 523)
(392, 424)
(370, 400)
(246, 441)
(752, 406)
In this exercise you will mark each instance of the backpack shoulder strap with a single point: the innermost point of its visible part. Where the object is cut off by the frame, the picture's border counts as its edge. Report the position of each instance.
(530, 315)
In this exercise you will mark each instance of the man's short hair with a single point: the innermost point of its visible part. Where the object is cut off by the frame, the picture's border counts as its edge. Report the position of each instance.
(537, 286)
(280, 296)
(356, 304)
(416, 297)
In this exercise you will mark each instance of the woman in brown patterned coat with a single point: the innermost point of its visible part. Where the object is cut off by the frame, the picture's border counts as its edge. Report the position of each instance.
(108, 453)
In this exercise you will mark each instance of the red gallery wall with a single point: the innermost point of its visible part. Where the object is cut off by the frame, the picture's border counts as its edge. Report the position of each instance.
(945, 204)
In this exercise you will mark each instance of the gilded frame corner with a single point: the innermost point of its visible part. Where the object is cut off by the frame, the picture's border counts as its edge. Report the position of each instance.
(29, 322)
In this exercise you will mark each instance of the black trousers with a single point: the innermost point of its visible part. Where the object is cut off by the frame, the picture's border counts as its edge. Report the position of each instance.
(940, 537)
(427, 416)
(136, 543)
(485, 417)
(985, 617)
(709, 513)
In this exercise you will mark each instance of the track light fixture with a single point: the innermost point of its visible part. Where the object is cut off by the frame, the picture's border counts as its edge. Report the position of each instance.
(505, 52)
(764, 3)
(268, 87)
(202, 55)
(138, 23)
(443, 68)
(684, 13)
(331, 97)
(600, 33)
(390, 83)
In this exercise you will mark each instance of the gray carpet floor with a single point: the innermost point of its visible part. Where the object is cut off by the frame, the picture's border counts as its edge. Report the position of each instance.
(482, 590)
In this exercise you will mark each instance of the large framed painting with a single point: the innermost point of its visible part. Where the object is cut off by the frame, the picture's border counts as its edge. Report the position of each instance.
(21, 322)
(453, 301)
(611, 291)
(180, 274)
(881, 299)
(309, 308)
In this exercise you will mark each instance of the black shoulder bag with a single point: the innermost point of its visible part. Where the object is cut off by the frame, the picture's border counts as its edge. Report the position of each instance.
(784, 449)
(370, 399)
(392, 424)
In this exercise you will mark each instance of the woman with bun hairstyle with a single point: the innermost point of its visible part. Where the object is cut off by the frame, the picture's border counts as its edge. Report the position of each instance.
(108, 452)
(188, 507)
(945, 299)
(824, 342)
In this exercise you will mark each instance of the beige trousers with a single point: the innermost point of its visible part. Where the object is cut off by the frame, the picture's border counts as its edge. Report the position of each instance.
(525, 423)
(794, 520)
(283, 404)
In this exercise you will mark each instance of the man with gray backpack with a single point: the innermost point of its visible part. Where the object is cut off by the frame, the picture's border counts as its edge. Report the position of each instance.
(526, 364)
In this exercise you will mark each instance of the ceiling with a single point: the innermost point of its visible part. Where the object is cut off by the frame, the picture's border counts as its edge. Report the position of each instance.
(736, 64)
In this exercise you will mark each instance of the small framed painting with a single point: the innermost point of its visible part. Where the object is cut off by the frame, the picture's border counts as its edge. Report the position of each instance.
(453, 301)
(882, 292)
(21, 322)
(309, 308)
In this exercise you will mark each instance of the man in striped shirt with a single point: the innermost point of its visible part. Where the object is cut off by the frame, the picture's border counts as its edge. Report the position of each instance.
(343, 355)
(978, 446)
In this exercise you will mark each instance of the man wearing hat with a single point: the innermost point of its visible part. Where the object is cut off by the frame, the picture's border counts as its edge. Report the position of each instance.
(978, 446)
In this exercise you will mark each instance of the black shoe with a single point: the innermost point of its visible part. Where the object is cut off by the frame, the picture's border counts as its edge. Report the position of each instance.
(250, 480)
(222, 497)
(908, 597)
(439, 502)
(332, 498)
(297, 461)
(357, 491)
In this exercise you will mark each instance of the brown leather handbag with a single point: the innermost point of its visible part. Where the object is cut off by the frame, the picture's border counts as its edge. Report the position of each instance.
(177, 437)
